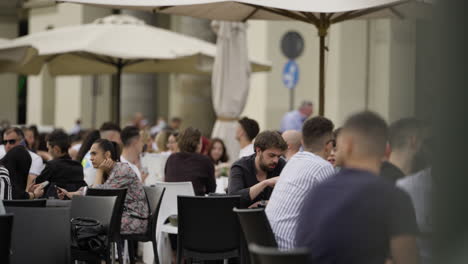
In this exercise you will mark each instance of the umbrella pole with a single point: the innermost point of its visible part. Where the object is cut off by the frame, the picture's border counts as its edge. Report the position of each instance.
(322, 32)
(322, 77)
(116, 93)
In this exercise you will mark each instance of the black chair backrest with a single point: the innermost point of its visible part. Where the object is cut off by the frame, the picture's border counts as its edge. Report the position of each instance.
(99, 208)
(58, 203)
(117, 219)
(40, 235)
(256, 227)
(208, 224)
(269, 255)
(154, 195)
(25, 203)
(6, 224)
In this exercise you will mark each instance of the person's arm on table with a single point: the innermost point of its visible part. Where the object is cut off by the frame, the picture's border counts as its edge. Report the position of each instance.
(237, 185)
(259, 187)
(404, 250)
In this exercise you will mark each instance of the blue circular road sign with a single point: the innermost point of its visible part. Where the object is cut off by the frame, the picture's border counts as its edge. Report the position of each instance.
(290, 74)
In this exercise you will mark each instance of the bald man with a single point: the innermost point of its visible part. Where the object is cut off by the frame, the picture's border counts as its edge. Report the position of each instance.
(293, 139)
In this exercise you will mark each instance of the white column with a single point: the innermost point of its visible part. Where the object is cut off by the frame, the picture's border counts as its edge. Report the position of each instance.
(67, 101)
(345, 90)
(58, 101)
(190, 95)
(403, 70)
(139, 90)
(9, 82)
(392, 68)
(379, 78)
(40, 108)
(256, 106)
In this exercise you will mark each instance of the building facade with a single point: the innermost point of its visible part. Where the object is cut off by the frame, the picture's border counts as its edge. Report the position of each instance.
(370, 64)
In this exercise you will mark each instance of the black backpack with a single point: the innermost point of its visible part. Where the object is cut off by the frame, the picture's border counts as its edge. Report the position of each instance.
(88, 234)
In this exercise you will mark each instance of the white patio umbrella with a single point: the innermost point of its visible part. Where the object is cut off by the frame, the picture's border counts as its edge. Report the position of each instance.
(321, 13)
(115, 45)
(13, 56)
(230, 81)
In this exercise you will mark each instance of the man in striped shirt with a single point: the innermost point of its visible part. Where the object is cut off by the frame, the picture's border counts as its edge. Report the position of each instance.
(5, 184)
(301, 174)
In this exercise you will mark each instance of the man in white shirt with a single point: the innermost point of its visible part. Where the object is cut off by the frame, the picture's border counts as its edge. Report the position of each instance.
(419, 188)
(132, 148)
(13, 137)
(2, 151)
(301, 174)
(247, 130)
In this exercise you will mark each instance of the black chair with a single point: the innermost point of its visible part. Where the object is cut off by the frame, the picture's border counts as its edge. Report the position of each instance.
(25, 203)
(102, 209)
(114, 232)
(268, 255)
(208, 228)
(154, 195)
(256, 227)
(40, 235)
(6, 224)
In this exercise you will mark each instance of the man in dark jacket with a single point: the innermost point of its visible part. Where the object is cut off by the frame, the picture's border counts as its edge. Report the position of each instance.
(253, 177)
(61, 171)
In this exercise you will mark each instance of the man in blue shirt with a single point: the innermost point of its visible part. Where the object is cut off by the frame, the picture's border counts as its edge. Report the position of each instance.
(356, 217)
(293, 120)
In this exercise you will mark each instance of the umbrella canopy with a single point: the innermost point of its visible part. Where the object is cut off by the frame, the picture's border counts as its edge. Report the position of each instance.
(100, 48)
(242, 10)
(118, 44)
(320, 13)
(13, 55)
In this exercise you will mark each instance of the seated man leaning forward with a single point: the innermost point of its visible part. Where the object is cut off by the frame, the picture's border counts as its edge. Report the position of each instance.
(253, 177)
(61, 171)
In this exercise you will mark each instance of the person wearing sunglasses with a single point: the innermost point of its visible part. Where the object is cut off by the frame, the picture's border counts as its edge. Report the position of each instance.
(14, 168)
(13, 137)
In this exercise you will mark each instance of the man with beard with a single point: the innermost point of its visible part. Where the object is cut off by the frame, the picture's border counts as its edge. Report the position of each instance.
(253, 177)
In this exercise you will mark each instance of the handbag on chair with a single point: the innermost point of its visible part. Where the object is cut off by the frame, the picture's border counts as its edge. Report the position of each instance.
(88, 234)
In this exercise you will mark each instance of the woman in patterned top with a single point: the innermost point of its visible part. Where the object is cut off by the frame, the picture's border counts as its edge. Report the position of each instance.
(113, 174)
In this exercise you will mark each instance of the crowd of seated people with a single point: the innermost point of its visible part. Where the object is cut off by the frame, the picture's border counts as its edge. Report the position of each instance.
(350, 194)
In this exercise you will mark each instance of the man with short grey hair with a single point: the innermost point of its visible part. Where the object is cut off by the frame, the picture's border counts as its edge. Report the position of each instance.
(293, 120)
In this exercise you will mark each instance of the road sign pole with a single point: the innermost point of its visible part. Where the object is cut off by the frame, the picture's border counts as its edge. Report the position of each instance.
(292, 46)
(291, 99)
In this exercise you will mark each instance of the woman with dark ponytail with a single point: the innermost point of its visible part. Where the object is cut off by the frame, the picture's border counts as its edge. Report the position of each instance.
(113, 174)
